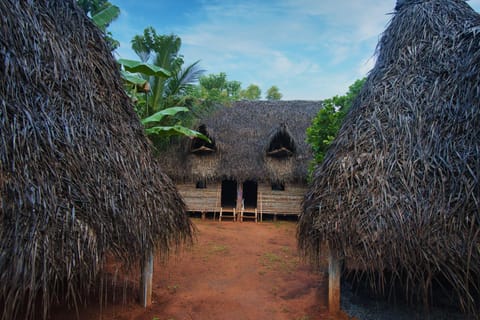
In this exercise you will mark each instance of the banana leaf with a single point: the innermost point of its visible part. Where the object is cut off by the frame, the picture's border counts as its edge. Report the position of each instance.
(144, 68)
(158, 116)
(133, 78)
(176, 130)
(103, 18)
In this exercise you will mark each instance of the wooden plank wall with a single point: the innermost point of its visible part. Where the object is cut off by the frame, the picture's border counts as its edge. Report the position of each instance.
(201, 200)
(287, 202)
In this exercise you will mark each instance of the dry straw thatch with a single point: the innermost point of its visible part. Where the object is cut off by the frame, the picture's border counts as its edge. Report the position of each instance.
(399, 190)
(242, 135)
(77, 180)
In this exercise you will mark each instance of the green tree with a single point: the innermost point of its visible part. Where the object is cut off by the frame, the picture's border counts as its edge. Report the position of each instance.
(216, 88)
(327, 122)
(253, 92)
(273, 93)
(102, 12)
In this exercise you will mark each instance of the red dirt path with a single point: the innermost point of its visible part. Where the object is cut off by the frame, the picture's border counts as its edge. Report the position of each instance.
(234, 271)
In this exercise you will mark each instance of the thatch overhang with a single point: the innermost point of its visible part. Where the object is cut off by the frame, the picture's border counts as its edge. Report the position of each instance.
(399, 189)
(77, 180)
(243, 134)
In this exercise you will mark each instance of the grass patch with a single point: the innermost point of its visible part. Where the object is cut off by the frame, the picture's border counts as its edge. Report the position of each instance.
(280, 262)
(218, 249)
(214, 249)
(280, 224)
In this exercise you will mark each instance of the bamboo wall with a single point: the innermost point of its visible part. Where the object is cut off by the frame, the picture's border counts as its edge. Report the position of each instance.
(269, 201)
(281, 202)
(201, 200)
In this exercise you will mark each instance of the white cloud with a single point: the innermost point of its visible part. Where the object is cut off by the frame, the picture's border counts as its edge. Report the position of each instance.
(365, 66)
(310, 49)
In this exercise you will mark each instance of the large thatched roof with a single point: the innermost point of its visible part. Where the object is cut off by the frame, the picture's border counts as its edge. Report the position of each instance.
(244, 135)
(76, 176)
(399, 190)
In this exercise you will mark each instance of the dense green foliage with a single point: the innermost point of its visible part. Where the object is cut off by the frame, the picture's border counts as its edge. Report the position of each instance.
(159, 124)
(217, 88)
(327, 122)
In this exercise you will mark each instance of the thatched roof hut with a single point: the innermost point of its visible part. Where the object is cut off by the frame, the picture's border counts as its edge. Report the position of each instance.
(77, 179)
(399, 190)
(258, 158)
(242, 135)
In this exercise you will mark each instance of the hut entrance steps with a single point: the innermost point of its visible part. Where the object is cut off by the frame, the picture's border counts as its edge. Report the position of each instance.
(228, 200)
(249, 213)
(227, 213)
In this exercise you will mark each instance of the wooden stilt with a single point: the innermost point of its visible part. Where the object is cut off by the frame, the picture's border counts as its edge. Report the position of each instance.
(146, 280)
(239, 197)
(322, 291)
(334, 273)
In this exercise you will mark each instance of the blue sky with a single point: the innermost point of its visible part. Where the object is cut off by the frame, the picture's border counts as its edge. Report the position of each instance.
(310, 49)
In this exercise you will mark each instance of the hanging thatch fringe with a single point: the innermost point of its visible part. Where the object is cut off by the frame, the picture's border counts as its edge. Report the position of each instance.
(76, 176)
(399, 190)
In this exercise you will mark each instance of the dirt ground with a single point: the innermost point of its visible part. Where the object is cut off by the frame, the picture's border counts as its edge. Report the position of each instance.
(235, 271)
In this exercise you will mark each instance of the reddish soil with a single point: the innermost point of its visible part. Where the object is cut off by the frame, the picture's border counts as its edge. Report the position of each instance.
(235, 271)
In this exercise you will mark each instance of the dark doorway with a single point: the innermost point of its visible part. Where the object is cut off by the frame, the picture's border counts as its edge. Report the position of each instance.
(250, 189)
(229, 193)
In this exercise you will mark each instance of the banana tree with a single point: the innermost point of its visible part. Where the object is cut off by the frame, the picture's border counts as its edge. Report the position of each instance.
(135, 75)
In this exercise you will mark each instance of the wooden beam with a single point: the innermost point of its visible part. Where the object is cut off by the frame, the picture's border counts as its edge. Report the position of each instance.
(146, 280)
(334, 273)
(281, 152)
(202, 150)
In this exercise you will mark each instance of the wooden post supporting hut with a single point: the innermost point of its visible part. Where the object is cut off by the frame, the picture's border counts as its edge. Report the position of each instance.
(146, 280)
(334, 274)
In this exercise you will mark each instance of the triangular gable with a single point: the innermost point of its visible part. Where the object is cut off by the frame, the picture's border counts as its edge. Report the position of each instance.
(200, 146)
(281, 144)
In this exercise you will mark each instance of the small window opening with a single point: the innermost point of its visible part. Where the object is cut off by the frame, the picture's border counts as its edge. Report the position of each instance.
(278, 186)
(200, 146)
(281, 145)
(201, 184)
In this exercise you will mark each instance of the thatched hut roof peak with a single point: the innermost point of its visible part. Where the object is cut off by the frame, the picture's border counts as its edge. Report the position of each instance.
(243, 134)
